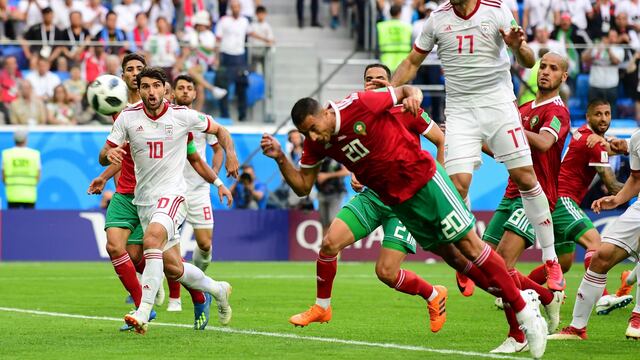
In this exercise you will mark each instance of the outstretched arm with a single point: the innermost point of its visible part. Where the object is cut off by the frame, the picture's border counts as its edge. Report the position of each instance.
(436, 136)
(218, 157)
(516, 41)
(224, 138)
(408, 68)
(609, 180)
(203, 169)
(98, 184)
(301, 181)
(628, 192)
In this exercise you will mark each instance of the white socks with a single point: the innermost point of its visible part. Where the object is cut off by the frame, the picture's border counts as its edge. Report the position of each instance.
(201, 258)
(589, 292)
(323, 303)
(633, 276)
(536, 207)
(194, 278)
(151, 279)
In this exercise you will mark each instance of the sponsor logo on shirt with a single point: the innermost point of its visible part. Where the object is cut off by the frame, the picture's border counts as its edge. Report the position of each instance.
(447, 28)
(140, 129)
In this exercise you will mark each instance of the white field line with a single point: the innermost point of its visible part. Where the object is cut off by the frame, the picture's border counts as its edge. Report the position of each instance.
(275, 335)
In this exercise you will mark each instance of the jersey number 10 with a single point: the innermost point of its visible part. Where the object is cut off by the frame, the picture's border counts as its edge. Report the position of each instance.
(156, 149)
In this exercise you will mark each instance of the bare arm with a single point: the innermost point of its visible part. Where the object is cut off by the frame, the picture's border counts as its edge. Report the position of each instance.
(224, 139)
(97, 185)
(516, 41)
(629, 191)
(202, 168)
(408, 68)
(218, 157)
(608, 177)
(301, 181)
(540, 142)
(111, 155)
(436, 136)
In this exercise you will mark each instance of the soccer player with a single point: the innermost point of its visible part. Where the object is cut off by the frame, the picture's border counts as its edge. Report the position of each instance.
(362, 215)
(360, 133)
(470, 36)
(546, 123)
(198, 198)
(157, 133)
(619, 241)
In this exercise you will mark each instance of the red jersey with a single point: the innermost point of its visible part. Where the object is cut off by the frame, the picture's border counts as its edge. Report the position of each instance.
(578, 166)
(551, 116)
(376, 146)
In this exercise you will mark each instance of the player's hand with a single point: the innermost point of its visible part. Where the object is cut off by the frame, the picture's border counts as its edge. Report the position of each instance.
(233, 166)
(96, 186)
(223, 193)
(115, 155)
(355, 184)
(376, 84)
(594, 139)
(514, 38)
(605, 203)
(270, 146)
(619, 146)
(411, 104)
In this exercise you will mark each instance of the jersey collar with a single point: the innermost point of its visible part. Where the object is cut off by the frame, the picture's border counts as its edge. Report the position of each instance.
(337, 111)
(470, 14)
(165, 105)
(534, 105)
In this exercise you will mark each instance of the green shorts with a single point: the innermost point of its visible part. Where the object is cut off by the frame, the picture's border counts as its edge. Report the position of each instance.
(569, 224)
(436, 215)
(365, 212)
(509, 216)
(121, 213)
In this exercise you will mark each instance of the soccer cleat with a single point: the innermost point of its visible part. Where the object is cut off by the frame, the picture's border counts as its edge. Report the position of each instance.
(608, 303)
(129, 300)
(315, 314)
(511, 346)
(533, 325)
(437, 309)
(570, 333)
(552, 310)
(624, 289)
(465, 285)
(218, 93)
(201, 313)
(633, 330)
(136, 321)
(174, 305)
(159, 296)
(127, 327)
(555, 279)
(224, 309)
(498, 303)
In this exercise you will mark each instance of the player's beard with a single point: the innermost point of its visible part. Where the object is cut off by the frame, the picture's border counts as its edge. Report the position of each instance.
(459, 2)
(179, 101)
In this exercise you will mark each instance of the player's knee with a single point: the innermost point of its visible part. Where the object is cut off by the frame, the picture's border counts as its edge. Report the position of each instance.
(154, 236)
(387, 274)
(173, 271)
(330, 246)
(602, 262)
(115, 249)
(524, 177)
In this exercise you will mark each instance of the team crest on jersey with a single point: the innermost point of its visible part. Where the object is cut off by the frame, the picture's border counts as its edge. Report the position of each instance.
(534, 121)
(485, 27)
(360, 128)
(168, 130)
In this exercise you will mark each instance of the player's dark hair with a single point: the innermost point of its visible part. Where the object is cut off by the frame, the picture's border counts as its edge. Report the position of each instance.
(152, 72)
(395, 10)
(184, 77)
(596, 102)
(261, 9)
(378, 65)
(133, 56)
(303, 108)
(111, 12)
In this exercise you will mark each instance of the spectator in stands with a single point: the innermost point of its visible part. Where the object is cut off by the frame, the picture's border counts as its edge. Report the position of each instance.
(43, 80)
(27, 109)
(248, 192)
(64, 8)
(570, 37)
(45, 35)
(314, 13)
(536, 12)
(513, 6)
(111, 33)
(543, 39)
(156, 9)
(5, 17)
(407, 10)
(185, 18)
(261, 40)
(112, 65)
(94, 16)
(331, 190)
(60, 110)
(141, 32)
(93, 60)
(632, 9)
(75, 85)
(628, 35)
(162, 48)
(632, 70)
(10, 75)
(293, 149)
(424, 12)
(604, 13)
(127, 11)
(77, 34)
(394, 39)
(604, 78)
(21, 173)
(580, 11)
(30, 12)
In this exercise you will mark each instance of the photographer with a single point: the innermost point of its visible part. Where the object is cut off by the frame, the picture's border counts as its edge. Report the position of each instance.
(248, 192)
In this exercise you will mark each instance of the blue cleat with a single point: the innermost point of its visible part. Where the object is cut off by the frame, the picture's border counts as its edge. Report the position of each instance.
(201, 313)
(127, 327)
(128, 300)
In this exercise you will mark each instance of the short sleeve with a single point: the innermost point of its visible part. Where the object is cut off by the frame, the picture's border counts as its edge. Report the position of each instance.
(634, 152)
(506, 19)
(311, 156)
(198, 121)
(212, 139)
(376, 101)
(598, 156)
(419, 125)
(118, 133)
(556, 123)
(427, 38)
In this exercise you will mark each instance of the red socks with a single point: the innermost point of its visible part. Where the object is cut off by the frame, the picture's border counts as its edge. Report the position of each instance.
(537, 275)
(326, 268)
(174, 289)
(493, 267)
(475, 274)
(546, 296)
(410, 283)
(127, 274)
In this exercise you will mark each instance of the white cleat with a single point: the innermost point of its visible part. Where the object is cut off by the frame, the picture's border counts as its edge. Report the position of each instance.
(608, 303)
(553, 311)
(159, 300)
(174, 305)
(222, 298)
(499, 304)
(218, 93)
(533, 324)
(511, 346)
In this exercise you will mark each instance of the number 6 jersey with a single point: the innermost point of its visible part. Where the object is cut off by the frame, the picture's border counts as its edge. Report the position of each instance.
(376, 146)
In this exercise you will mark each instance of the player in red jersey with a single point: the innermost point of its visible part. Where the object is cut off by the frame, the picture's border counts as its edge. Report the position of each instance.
(360, 133)
(546, 124)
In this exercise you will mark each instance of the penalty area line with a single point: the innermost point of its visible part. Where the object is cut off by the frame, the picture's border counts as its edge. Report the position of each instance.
(274, 335)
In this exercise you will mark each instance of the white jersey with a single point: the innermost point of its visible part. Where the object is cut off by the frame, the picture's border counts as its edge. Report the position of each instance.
(473, 53)
(631, 9)
(195, 182)
(158, 147)
(634, 151)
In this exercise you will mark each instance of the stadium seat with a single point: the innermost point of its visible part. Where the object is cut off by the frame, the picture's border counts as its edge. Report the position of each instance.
(63, 75)
(582, 87)
(623, 123)
(255, 90)
(14, 50)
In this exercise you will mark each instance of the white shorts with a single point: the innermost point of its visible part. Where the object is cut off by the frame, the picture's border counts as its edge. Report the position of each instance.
(499, 126)
(199, 210)
(169, 211)
(625, 230)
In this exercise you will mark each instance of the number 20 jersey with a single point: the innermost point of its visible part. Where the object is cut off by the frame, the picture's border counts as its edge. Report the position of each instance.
(376, 146)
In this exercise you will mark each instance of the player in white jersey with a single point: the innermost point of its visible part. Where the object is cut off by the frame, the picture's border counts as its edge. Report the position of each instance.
(471, 36)
(619, 241)
(157, 133)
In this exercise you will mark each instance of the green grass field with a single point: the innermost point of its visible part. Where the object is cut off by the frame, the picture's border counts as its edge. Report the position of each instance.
(370, 321)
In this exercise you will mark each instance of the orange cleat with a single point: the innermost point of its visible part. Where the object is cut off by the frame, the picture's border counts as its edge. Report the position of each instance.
(138, 325)
(465, 285)
(624, 288)
(569, 333)
(555, 279)
(437, 309)
(315, 314)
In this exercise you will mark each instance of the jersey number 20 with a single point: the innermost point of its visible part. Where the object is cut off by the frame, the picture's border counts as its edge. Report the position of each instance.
(355, 151)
